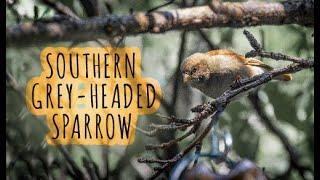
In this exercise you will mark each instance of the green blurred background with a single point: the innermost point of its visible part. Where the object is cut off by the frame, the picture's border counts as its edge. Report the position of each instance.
(289, 105)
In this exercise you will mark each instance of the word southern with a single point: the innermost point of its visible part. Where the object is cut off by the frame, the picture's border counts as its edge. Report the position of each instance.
(95, 65)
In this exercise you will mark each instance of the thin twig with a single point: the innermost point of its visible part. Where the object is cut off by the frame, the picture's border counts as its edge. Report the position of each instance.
(191, 145)
(171, 142)
(257, 51)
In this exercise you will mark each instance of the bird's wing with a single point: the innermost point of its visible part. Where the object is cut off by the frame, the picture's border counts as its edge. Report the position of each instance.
(240, 58)
(221, 52)
(227, 52)
(249, 61)
(256, 62)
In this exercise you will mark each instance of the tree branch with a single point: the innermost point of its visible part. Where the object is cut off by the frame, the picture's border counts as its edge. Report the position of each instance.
(215, 15)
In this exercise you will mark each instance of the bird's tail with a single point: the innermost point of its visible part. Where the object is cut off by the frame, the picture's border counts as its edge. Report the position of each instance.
(284, 77)
(257, 63)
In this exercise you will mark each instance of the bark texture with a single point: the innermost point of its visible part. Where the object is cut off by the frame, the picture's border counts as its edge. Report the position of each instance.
(216, 14)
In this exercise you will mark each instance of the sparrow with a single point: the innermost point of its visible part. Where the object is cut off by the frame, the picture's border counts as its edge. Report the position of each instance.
(215, 71)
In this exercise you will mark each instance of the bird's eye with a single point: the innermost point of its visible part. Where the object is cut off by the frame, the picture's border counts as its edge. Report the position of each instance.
(193, 70)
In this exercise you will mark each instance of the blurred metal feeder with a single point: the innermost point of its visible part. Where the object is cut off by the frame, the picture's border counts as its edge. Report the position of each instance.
(219, 152)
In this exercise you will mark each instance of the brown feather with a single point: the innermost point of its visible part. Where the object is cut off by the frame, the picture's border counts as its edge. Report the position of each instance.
(249, 62)
(256, 62)
(240, 58)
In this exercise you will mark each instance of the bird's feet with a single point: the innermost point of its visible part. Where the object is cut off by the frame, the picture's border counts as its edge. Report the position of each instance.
(237, 82)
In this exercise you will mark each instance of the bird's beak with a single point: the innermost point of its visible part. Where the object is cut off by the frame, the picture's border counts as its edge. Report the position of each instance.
(186, 78)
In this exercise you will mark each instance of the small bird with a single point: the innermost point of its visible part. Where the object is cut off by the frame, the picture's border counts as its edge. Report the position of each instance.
(215, 71)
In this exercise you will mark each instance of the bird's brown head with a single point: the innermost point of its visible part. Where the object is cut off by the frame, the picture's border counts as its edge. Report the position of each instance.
(195, 69)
